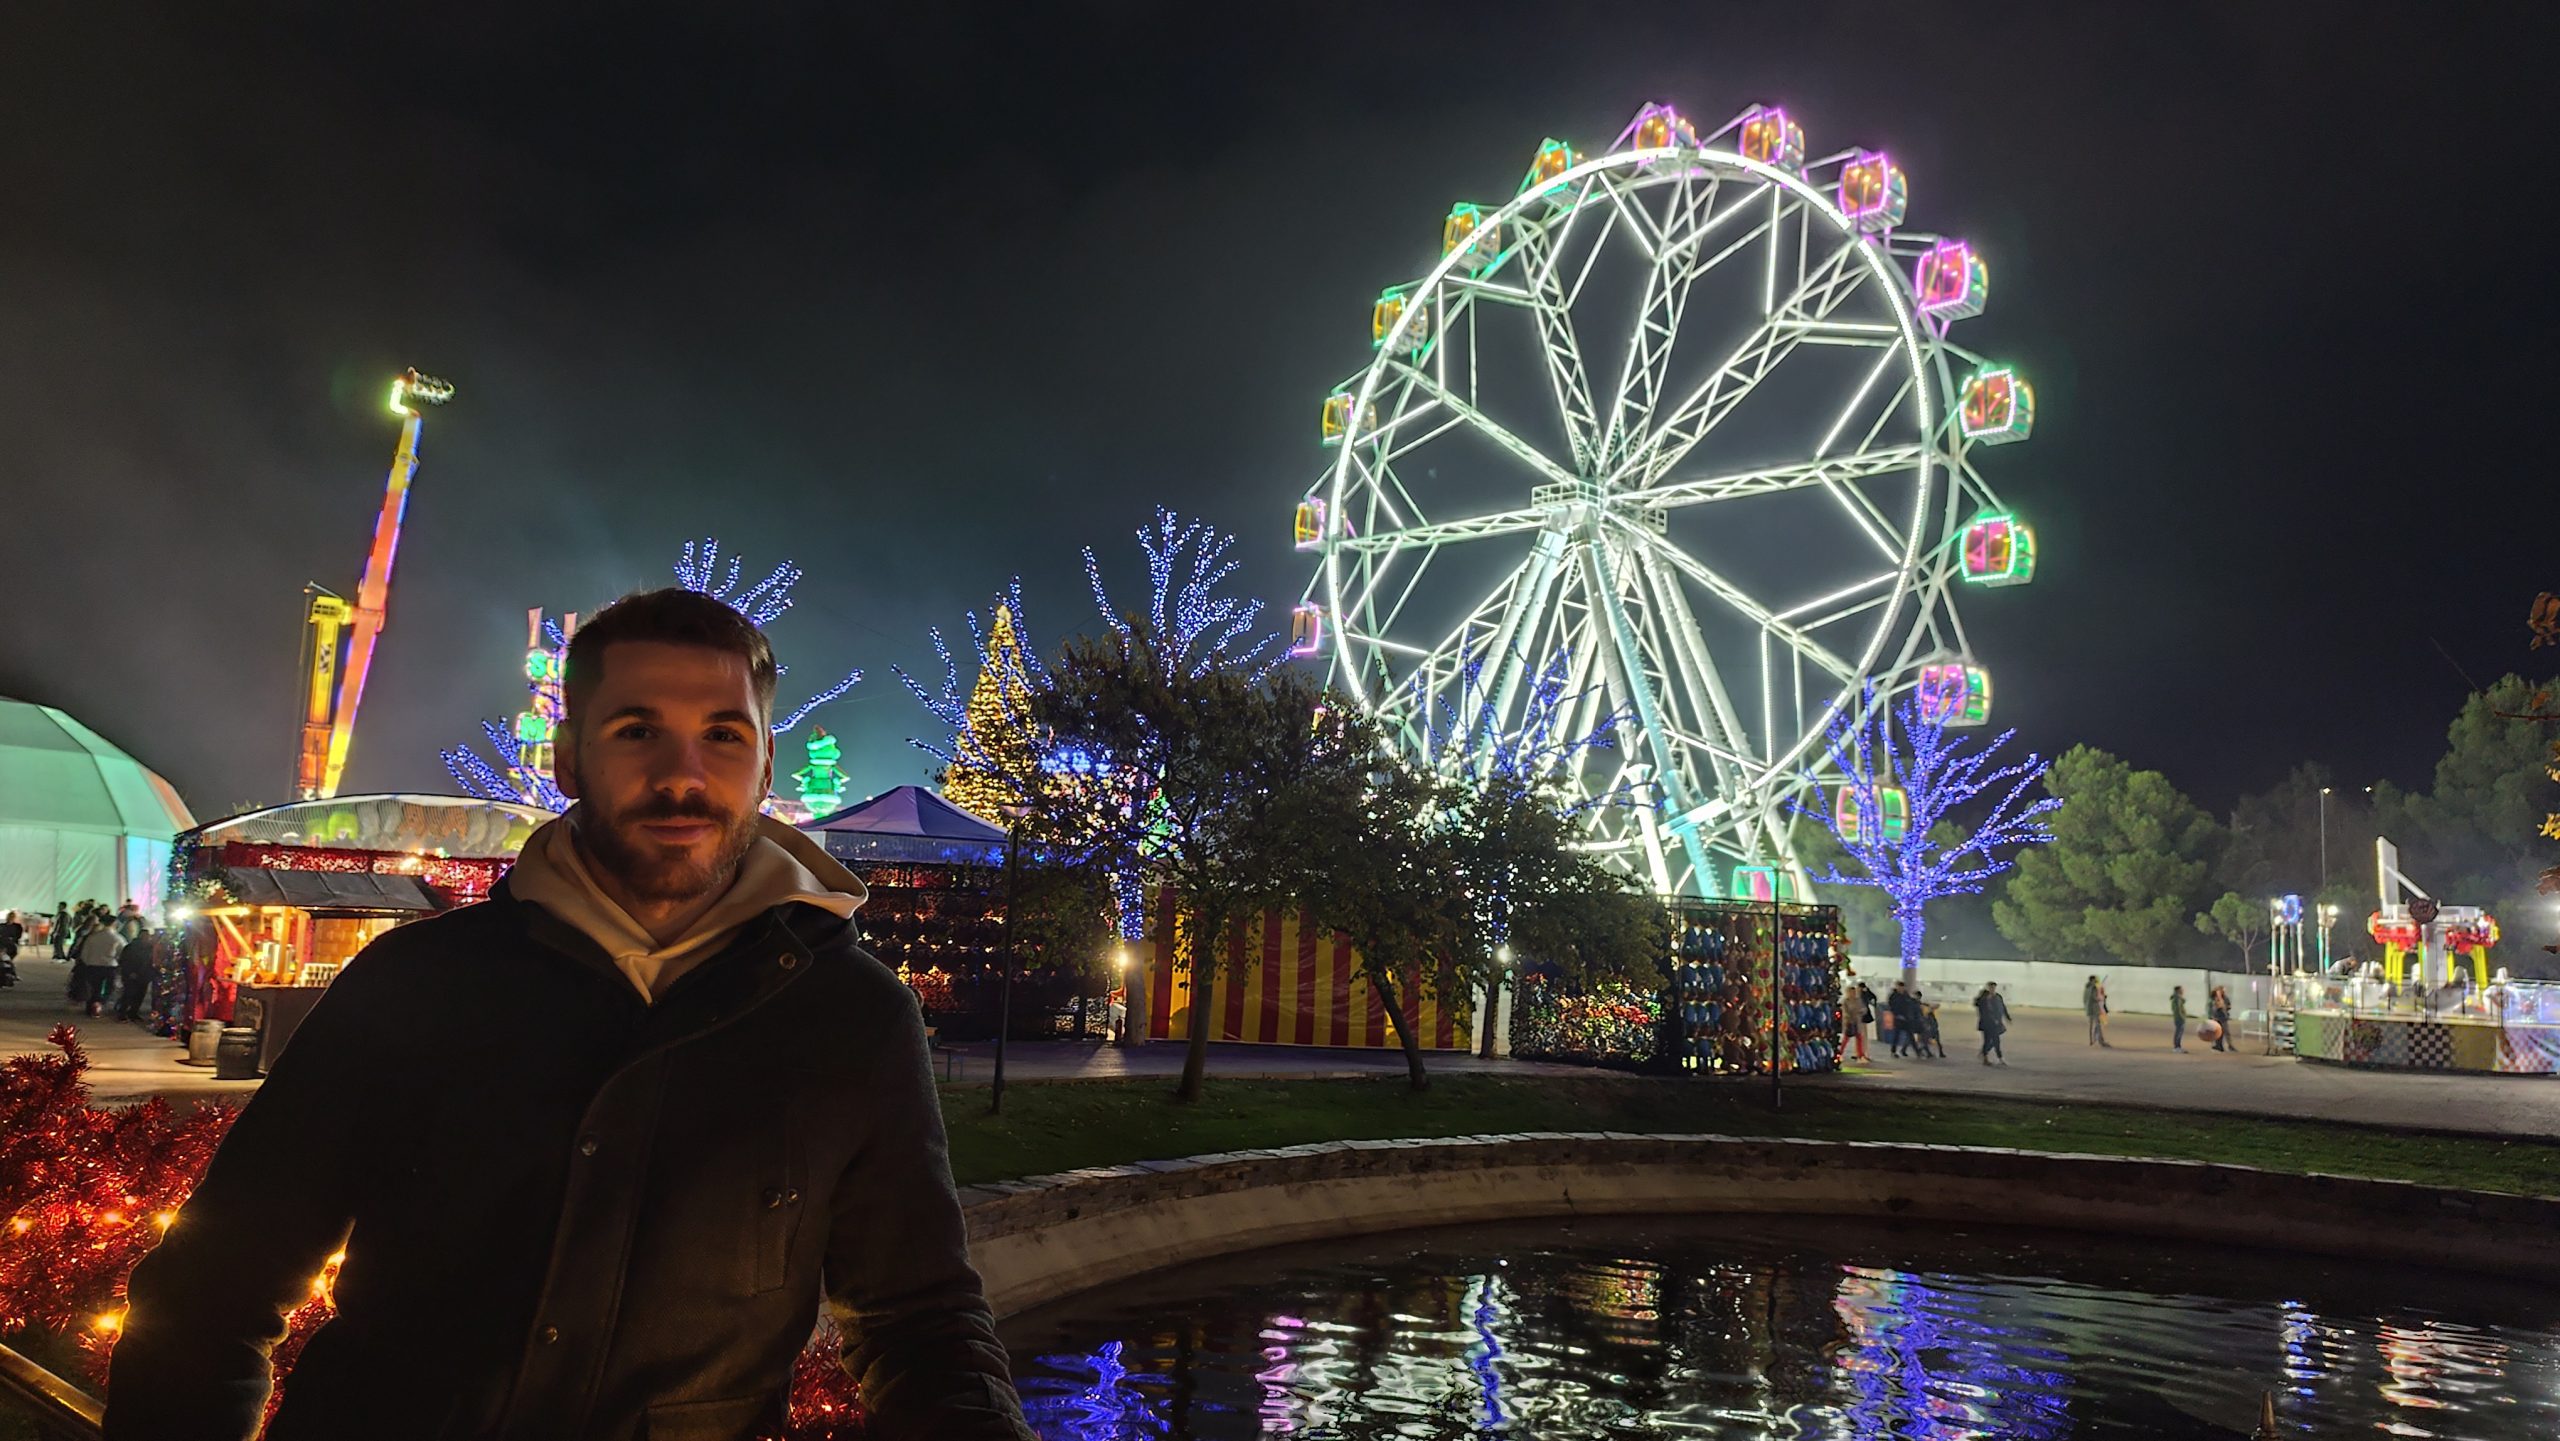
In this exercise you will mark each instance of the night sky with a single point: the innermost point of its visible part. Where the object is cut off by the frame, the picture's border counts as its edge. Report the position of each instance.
(925, 303)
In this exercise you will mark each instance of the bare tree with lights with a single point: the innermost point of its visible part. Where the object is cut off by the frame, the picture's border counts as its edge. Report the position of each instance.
(1894, 809)
(522, 772)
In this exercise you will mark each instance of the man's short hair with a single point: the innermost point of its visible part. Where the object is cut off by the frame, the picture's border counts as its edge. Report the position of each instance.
(673, 616)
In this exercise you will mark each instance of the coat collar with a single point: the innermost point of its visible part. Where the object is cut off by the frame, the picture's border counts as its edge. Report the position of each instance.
(766, 955)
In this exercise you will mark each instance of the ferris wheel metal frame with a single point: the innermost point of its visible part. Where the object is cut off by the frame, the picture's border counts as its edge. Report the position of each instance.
(1599, 614)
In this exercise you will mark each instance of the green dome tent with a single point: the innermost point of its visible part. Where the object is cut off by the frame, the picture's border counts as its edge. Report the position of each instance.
(79, 819)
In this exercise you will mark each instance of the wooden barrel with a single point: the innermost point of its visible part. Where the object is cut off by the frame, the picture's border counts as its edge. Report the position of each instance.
(236, 1058)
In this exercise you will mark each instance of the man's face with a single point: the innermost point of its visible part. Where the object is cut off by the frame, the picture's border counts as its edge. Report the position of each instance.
(669, 761)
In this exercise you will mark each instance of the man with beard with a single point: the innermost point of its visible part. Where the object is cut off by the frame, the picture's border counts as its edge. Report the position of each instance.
(670, 1107)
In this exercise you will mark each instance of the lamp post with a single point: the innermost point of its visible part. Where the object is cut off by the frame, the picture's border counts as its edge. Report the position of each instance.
(1013, 815)
(1120, 970)
(2324, 839)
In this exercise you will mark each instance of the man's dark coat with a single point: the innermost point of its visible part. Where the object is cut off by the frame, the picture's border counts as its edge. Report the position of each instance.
(567, 1213)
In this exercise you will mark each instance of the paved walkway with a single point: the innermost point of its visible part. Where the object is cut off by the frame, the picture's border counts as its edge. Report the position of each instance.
(2049, 1059)
(126, 1062)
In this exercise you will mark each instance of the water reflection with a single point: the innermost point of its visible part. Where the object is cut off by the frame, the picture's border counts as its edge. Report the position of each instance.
(1747, 1328)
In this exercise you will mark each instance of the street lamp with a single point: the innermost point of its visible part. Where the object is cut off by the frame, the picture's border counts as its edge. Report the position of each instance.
(1120, 969)
(1013, 817)
(2324, 838)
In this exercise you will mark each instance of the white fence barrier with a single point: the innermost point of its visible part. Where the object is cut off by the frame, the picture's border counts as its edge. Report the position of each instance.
(2052, 985)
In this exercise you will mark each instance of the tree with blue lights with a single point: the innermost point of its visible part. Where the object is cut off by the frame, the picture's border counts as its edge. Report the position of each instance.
(1893, 811)
(526, 779)
(1191, 627)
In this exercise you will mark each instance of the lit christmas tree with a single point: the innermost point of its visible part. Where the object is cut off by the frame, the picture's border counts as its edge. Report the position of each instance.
(994, 739)
(992, 751)
(522, 772)
(1888, 808)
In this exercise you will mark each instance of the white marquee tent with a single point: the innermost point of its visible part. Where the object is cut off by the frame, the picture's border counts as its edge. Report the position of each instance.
(79, 819)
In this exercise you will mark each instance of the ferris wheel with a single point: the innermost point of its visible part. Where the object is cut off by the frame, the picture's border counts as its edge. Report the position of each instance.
(1674, 438)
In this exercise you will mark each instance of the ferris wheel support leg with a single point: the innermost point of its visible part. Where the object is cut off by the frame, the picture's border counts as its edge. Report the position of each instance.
(1620, 652)
(1708, 698)
(1512, 639)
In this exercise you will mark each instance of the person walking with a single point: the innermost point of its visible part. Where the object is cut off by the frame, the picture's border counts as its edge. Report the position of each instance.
(66, 947)
(1991, 1014)
(60, 937)
(12, 932)
(93, 968)
(95, 917)
(1905, 1026)
(2094, 1006)
(703, 1114)
(2178, 1019)
(1932, 1044)
(1857, 1005)
(2218, 1006)
(135, 964)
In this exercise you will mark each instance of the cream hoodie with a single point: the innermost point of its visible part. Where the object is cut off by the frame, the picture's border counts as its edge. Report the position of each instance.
(782, 865)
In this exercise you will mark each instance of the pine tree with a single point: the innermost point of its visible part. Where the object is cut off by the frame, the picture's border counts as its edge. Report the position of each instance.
(995, 745)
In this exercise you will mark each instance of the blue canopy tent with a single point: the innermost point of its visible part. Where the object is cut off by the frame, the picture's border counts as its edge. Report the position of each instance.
(909, 824)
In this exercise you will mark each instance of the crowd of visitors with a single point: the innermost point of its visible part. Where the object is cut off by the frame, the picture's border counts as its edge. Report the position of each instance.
(1905, 1019)
(114, 953)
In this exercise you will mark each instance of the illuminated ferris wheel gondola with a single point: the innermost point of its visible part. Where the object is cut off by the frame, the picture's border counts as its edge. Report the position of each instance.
(1679, 431)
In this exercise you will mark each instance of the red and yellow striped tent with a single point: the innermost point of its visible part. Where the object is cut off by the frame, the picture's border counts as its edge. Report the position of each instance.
(1304, 989)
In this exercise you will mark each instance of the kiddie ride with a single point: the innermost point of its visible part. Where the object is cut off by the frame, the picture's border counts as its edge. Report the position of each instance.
(2431, 1003)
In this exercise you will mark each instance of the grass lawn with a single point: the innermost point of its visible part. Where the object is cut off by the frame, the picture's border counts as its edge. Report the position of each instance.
(1059, 1126)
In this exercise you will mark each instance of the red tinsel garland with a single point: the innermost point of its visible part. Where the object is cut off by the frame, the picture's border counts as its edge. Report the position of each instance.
(86, 1191)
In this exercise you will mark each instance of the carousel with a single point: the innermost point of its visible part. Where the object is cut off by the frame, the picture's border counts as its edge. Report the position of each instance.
(2433, 1001)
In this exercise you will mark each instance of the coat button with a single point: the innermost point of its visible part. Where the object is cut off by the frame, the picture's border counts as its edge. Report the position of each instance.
(789, 960)
(790, 1198)
(550, 1335)
(586, 1145)
(773, 1199)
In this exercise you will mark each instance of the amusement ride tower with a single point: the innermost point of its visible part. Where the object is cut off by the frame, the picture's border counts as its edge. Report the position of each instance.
(332, 683)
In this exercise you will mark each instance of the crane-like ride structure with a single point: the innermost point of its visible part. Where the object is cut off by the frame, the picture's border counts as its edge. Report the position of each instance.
(338, 636)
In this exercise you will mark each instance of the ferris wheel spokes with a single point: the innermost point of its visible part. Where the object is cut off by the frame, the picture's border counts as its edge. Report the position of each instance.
(1777, 479)
(1820, 293)
(1485, 425)
(1666, 295)
(1568, 379)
